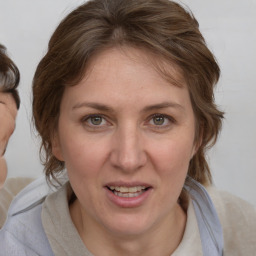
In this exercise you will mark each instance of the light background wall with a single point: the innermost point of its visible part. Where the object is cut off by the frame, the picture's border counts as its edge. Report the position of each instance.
(229, 27)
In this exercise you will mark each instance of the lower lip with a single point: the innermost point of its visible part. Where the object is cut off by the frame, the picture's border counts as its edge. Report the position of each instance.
(128, 202)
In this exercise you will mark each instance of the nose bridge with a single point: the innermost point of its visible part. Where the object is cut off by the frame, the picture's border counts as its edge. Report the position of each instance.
(128, 152)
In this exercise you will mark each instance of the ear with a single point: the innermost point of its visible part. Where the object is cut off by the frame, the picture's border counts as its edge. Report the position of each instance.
(56, 147)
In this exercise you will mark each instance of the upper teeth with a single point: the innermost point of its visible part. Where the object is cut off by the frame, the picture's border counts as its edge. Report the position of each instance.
(127, 189)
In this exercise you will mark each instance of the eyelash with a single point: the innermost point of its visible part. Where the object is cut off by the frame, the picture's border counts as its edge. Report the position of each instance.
(169, 118)
(87, 118)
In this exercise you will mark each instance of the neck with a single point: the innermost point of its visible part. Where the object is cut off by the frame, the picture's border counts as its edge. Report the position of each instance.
(162, 239)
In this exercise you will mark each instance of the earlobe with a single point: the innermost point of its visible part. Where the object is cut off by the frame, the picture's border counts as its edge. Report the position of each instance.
(56, 148)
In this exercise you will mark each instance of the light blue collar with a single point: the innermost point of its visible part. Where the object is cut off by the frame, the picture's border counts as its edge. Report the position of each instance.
(208, 222)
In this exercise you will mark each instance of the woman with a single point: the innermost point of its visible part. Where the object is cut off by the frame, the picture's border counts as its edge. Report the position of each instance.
(9, 103)
(123, 100)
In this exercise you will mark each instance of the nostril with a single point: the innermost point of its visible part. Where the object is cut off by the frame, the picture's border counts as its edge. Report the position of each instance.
(128, 155)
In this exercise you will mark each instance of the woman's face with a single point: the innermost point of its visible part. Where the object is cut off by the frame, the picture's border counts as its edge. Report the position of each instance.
(8, 112)
(126, 136)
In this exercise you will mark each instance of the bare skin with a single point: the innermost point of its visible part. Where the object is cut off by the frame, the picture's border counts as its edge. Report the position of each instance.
(125, 127)
(8, 112)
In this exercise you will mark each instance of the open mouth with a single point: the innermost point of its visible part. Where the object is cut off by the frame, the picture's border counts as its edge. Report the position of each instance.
(122, 191)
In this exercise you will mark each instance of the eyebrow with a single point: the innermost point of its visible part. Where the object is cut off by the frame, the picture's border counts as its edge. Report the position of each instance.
(94, 105)
(163, 105)
(103, 107)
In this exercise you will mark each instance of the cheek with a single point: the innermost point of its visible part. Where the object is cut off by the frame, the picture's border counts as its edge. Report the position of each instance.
(83, 157)
(171, 162)
(172, 156)
(83, 164)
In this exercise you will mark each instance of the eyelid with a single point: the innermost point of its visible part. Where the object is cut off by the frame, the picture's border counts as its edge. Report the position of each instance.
(85, 120)
(170, 119)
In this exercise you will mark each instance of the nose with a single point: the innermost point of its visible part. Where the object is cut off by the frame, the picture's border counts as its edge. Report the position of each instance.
(128, 152)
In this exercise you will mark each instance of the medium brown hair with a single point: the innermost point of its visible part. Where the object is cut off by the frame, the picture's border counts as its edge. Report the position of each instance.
(161, 27)
(9, 76)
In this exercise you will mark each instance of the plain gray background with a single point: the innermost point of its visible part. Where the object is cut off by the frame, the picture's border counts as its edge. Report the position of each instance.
(229, 27)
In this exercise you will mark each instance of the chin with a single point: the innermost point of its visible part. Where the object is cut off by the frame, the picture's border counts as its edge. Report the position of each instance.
(130, 225)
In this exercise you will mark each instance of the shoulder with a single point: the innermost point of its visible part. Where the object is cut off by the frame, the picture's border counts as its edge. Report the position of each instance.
(23, 231)
(16, 184)
(11, 188)
(238, 220)
(232, 209)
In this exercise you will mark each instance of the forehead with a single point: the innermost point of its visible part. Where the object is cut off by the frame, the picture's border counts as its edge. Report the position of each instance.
(127, 77)
(143, 57)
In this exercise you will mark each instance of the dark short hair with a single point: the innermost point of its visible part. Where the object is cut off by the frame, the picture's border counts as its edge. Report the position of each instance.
(161, 27)
(9, 76)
